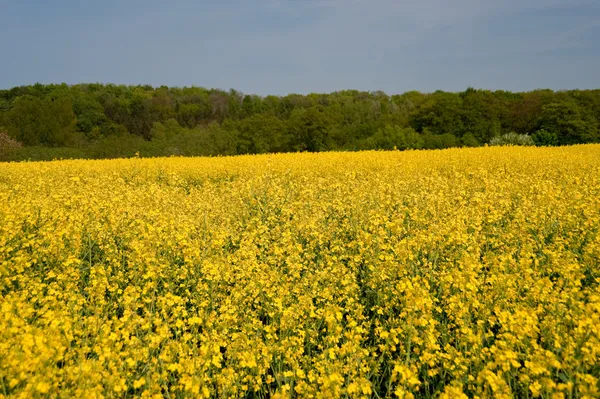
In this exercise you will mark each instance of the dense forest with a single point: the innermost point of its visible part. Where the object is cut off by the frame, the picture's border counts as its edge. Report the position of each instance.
(103, 121)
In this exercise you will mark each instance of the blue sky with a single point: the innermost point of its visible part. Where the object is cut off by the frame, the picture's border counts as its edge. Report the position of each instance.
(301, 46)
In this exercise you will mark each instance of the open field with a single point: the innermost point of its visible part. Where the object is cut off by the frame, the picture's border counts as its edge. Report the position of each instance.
(376, 274)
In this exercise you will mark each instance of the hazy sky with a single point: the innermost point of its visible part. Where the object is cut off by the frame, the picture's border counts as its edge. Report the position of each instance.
(300, 46)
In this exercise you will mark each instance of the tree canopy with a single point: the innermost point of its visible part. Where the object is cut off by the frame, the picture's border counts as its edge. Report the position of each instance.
(200, 121)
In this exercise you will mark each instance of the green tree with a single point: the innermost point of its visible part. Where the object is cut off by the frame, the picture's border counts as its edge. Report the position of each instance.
(569, 122)
(261, 133)
(166, 130)
(439, 141)
(395, 137)
(92, 122)
(34, 121)
(480, 115)
(525, 111)
(469, 140)
(25, 118)
(309, 129)
(545, 138)
(140, 118)
(440, 114)
(222, 140)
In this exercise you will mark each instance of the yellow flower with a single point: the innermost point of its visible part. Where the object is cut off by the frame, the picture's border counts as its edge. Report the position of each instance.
(370, 274)
(42, 387)
(140, 382)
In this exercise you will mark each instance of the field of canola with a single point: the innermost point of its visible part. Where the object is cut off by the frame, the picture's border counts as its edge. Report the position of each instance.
(455, 273)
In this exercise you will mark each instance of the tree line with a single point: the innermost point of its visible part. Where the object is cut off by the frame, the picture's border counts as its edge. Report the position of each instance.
(106, 120)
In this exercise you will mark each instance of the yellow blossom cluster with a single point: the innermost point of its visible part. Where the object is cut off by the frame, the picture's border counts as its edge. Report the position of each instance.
(455, 273)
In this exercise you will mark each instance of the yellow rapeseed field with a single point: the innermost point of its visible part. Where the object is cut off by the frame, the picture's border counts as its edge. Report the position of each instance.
(455, 273)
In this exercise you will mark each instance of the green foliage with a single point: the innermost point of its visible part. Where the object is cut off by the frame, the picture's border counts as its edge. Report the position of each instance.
(166, 130)
(441, 114)
(39, 153)
(261, 133)
(439, 141)
(469, 140)
(309, 130)
(513, 138)
(91, 119)
(221, 141)
(395, 137)
(115, 147)
(545, 138)
(569, 122)
(49, 121)
(115, 120)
